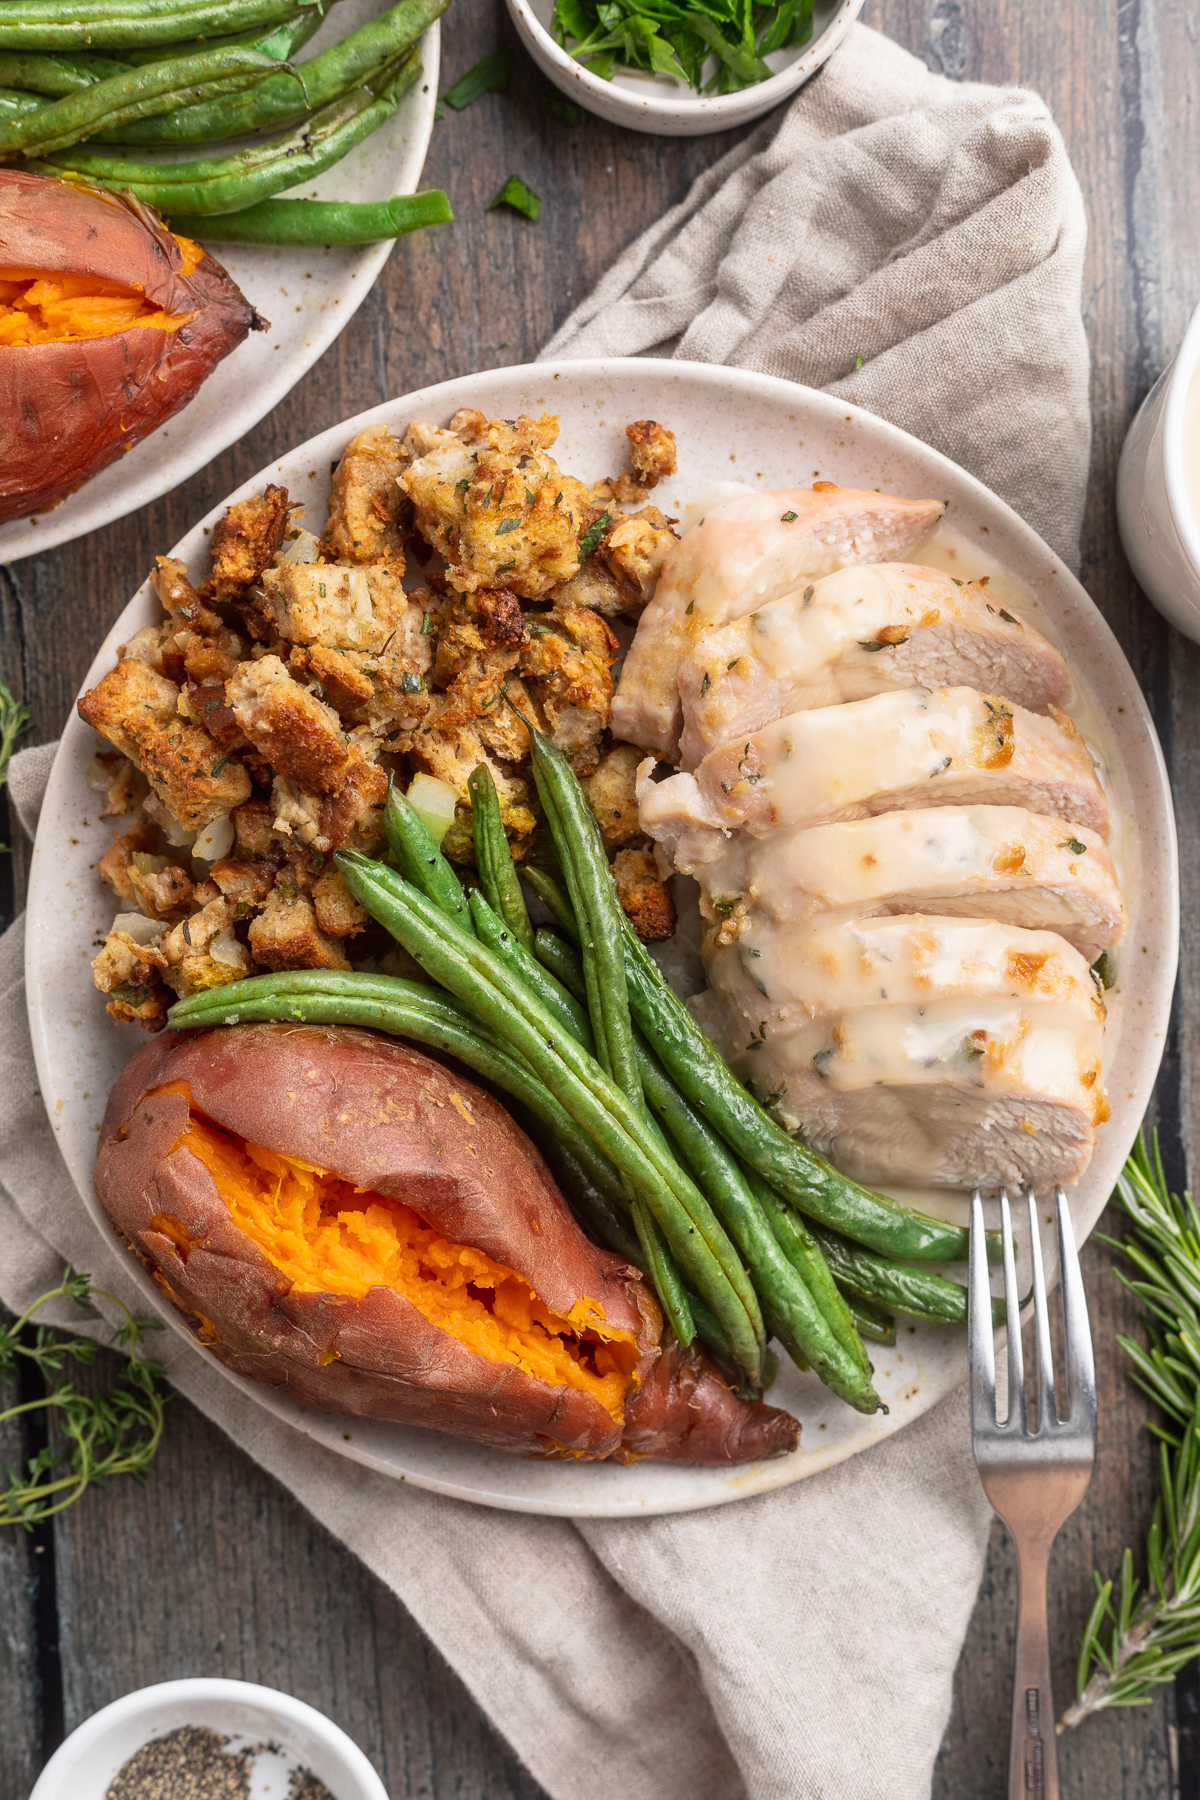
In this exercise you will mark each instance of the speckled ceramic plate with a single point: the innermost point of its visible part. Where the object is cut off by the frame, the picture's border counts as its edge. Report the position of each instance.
(767, 433)
(308, 295)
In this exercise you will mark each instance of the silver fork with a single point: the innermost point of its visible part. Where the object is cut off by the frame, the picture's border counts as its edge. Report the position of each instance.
(1034, 1478)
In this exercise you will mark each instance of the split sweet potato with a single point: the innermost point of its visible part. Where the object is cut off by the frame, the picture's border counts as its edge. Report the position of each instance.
(108, 326)
(344, 1218)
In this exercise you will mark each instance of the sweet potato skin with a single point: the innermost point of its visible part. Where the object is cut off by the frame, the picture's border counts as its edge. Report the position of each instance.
(69, 409)
(383, 1116)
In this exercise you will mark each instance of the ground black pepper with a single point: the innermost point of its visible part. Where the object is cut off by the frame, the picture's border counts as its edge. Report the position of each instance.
(191, 1763)
(305, 1786)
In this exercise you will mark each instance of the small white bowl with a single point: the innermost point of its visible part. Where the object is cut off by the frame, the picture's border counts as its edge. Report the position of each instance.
(1159, 528)
(83, 1767)
(659, 103)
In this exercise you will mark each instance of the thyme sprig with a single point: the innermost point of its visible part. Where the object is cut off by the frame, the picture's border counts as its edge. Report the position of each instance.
(98, 1436)
(1136, 1637)
(14, 719)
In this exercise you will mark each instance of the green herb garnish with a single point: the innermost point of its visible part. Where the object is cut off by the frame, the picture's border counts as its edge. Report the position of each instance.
(491, 76)
(717, 46)
(98, 1436)
(592, 536)
(14, 719)
(1074, 846)
(520, 198)
(1137, 1638)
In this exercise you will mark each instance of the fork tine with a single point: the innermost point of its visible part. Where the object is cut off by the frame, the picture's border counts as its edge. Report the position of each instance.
(981, 1348)
(1012, 1308)
(1047, 1408)
(1081, 1368)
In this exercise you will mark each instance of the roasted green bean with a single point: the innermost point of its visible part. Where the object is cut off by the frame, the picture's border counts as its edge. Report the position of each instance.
(420, 859)
(226, 183)
(493, 859)
(58, 75)
(319, 221)
(134, 94)
(601, 1110)
(124, 24)
(284, 98)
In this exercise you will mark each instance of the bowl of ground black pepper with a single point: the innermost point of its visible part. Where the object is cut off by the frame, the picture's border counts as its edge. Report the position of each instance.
(208, 1740)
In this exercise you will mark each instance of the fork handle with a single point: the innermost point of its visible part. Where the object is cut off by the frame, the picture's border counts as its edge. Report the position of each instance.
(1033, 1753)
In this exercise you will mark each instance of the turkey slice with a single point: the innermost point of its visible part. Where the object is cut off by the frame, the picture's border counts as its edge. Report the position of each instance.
(948, 747)
(856, 633)
(995, 862)
(740, 555)
(917, 1049)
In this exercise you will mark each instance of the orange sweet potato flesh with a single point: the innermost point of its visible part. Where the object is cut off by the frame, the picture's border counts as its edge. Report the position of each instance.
(71, 404)
(343, 1218)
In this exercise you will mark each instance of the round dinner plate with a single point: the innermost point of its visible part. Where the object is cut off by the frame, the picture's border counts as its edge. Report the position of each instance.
(730, 425)
(308, 294)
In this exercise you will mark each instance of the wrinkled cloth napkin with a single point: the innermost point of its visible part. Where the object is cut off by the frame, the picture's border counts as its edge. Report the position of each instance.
(801, 1643)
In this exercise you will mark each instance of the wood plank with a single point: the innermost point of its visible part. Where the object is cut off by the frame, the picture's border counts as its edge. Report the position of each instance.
(23, 1598)
(212, 1568)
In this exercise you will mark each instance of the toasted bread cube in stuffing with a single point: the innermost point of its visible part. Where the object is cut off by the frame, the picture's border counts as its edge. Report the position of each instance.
(343, 609)
(338, 912)
(647, 901)
(365, 498)
(245, 541)
(610, 794)
(295, 732)
(136, 709)
(651, 451)
(116, 863)
(285, 935)
(130, 973)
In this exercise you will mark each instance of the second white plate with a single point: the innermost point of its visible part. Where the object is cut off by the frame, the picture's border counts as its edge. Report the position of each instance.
(767, 433)
(308, 295)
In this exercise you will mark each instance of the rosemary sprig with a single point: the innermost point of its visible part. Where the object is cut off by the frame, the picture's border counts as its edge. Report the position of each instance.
(99, 1436)
(14, 719)
(1138, 1638)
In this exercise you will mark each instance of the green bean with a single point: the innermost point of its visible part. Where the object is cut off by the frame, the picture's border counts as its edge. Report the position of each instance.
(226, 183)
(566, 1008)
(273, 40)
(284, 98)
(802, 1308)
(599, 1107)
(805, 1320)
(602, 1221)
(800, 1247)
(802, 1177)
(871, 1321)
(552, 897)
(319, 221)
(121, 24)
(421, 861)
(58, 74)
(493, 859)
(14, 104)
(912, 1291)
(594, 897)
(132, 95)
(491, 930)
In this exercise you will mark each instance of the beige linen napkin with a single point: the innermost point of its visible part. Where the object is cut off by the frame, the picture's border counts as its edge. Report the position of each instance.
(800, 1644)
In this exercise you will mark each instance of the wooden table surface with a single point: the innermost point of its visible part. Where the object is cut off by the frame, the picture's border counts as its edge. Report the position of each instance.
(212, 1568)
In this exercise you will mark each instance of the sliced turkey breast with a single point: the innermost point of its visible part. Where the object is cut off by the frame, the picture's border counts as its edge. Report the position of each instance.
(914, 747)
(740, 555)
(856, 633)
(917, 1049)
(985, 862)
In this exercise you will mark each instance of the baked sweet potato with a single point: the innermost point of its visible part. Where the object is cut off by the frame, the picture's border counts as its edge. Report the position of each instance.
(108, 325)
(342, 1217)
